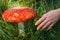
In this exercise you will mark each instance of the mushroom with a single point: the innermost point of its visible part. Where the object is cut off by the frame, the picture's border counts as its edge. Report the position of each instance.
(19, 15)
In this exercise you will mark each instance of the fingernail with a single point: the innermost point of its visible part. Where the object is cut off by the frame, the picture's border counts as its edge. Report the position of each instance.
(37, 28)
(35, 23)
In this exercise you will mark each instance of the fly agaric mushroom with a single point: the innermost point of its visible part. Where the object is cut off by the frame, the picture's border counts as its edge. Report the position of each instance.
(19, 15)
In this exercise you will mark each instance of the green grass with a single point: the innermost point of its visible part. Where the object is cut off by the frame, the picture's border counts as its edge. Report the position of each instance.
(9, 31)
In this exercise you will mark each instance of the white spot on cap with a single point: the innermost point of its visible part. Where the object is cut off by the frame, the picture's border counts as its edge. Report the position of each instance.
(16, 14)
(13, 18)
(9, 18)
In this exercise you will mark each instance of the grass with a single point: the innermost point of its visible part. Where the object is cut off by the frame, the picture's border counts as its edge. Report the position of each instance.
(9, 31)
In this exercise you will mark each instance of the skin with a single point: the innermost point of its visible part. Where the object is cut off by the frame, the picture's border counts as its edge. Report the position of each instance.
(48, 19)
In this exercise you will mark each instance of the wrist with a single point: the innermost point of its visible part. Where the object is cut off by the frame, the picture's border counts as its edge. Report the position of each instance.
(58, 12)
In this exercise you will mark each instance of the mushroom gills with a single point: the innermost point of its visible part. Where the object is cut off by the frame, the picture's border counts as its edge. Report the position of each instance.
(21, 29)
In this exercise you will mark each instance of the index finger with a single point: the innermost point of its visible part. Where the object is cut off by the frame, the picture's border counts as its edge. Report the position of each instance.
(40, 20)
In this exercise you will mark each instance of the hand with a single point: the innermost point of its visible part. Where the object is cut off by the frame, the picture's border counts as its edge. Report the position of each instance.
(48, 20)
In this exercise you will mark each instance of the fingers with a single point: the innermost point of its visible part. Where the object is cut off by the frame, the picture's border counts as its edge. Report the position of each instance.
(40, 20)
(45, 26)
(50, 26)
(42, 24)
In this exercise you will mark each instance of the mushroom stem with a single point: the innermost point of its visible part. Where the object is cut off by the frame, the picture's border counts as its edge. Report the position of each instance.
(21, 29)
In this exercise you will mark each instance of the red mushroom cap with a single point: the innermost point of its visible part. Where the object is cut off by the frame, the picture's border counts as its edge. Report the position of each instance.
(19, 14)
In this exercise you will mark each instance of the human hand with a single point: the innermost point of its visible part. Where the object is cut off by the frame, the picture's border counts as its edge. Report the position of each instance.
(48, 20)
